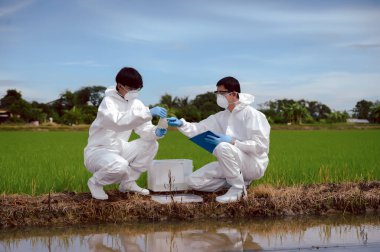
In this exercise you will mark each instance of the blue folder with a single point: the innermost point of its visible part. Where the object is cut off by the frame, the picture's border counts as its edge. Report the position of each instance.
(200, 140)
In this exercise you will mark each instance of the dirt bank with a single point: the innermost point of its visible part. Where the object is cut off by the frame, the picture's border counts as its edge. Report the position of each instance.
(263, 200)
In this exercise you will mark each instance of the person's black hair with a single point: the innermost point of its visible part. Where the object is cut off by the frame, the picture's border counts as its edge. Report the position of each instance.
(129, 77)
(229, 83)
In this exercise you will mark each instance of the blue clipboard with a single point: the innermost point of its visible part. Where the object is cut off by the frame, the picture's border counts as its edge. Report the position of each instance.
(200, 140)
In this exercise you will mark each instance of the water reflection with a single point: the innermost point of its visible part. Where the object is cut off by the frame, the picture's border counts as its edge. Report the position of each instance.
(234, 235)
(188, 240)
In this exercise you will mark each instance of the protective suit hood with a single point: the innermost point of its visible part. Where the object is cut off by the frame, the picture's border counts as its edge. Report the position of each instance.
(245, 100)
(111, 91)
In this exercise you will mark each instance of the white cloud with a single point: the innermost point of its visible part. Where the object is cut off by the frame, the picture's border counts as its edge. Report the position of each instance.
(13, 7)
(339, 91)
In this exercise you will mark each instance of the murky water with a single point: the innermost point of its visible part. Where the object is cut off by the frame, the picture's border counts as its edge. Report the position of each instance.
(332, 233)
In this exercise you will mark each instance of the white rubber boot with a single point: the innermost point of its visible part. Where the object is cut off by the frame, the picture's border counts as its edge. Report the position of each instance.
(96, 190)
(236, 192)
(131, 186)
(232, 195)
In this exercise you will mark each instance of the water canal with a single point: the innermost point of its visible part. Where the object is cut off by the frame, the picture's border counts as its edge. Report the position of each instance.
(324, 233)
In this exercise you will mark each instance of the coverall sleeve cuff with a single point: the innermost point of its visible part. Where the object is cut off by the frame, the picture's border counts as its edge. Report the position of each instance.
(239, 145)
(183, 123)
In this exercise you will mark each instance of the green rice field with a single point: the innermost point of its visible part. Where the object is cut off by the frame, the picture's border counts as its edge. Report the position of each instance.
(41, 162)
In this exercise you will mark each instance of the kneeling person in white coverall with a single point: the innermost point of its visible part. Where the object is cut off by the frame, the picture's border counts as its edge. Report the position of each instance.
(108, 154)
(242, 145)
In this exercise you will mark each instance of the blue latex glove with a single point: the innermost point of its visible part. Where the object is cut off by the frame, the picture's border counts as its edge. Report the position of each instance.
(173, 121)
(161, 132)
(217, 140)
(158, 111)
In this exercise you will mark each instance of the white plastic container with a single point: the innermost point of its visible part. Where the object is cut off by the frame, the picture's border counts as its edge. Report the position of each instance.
(178, 169)
(178, 198)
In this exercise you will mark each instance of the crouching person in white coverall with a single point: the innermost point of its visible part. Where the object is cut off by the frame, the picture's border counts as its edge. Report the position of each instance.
(242, 145)
(108, 154)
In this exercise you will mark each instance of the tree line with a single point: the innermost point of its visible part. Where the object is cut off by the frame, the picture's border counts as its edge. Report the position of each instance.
(80, 107)
(70, 108)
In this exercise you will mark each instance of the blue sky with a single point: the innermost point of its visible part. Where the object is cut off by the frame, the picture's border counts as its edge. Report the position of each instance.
(318, 50)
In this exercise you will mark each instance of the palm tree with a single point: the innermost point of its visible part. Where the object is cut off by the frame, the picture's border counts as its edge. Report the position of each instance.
(169, 101)
(295, 112)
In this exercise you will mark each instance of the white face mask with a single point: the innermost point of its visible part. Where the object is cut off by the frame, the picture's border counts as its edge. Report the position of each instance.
(221, 100)
(131, 95)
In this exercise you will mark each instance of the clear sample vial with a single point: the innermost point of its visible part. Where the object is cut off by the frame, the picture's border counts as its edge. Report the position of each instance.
(162, 123)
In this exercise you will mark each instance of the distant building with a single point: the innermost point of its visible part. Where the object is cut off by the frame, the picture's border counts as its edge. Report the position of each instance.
(4, 115)
(354, 120)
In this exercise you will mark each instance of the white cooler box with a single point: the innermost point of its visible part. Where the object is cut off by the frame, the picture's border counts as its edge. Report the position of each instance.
(158, 175)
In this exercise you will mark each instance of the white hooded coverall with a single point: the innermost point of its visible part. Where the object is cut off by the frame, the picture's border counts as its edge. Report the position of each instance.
(108, 154)
(237, 164)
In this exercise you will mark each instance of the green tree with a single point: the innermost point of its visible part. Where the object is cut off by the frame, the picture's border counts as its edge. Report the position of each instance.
(183, 102)
(318, 110)
(82, 96)
(296, 113)
(92, 94)
(45, 110)
(190, 113)
(169, 101)
(72, 116)
(284, 110)
(375, 112)
(206, 104)
(10, 98)
(21, 109)
(65, 102)
(362, 109)
(88, 114)
(67, 99)
(97, 95)
(337, 116)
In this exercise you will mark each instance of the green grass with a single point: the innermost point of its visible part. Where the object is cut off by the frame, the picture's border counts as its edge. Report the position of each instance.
(305, 157)
(39, 162)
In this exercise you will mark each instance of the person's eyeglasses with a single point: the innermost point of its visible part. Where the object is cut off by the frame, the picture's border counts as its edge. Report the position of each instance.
(134, 89)
(126, 88)
(221, 92)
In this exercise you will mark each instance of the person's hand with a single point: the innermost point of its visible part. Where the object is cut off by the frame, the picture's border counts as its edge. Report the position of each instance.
(161, 132)
(174, 121)
(218, 139)
(158, 111)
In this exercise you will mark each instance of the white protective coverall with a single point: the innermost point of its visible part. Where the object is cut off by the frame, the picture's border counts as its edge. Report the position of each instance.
(108, 154)
(237, 164)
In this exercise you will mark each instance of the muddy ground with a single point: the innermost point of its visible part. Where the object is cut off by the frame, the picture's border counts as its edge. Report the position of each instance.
(263, 200)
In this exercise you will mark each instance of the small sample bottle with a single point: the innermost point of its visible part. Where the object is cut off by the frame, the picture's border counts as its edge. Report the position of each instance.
(162, 123)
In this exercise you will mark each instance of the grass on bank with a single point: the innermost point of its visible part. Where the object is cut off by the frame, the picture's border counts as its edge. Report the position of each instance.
(39, 162)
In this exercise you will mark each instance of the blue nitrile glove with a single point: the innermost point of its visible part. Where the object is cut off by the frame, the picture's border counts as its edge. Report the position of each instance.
(174, 121)
(161, 132)
(217, 140)
(158, 111)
